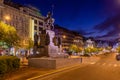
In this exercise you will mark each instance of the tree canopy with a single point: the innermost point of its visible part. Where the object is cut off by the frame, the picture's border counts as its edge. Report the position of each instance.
(75, 48)
(8, 34)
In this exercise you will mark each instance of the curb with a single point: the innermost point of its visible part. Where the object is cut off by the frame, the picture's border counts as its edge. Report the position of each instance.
(53, 72)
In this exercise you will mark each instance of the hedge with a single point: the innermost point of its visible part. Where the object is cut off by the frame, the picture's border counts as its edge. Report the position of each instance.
(8, 63)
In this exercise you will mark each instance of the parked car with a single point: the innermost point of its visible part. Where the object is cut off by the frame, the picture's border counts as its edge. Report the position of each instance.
(118, 57)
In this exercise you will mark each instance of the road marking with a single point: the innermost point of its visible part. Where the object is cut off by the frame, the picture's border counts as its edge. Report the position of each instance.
(107, 64)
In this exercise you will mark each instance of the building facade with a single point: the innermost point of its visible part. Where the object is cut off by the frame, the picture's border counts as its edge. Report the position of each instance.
(68, 37)
(27, 20)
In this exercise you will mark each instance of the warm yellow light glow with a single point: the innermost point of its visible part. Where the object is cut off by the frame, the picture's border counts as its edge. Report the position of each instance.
(31, 29)
(64, 36)
(7, 17)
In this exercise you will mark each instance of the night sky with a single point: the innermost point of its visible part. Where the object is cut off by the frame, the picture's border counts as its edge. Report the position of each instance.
(96, 18)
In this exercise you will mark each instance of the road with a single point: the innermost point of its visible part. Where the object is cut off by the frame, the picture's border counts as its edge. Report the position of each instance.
(107, 68)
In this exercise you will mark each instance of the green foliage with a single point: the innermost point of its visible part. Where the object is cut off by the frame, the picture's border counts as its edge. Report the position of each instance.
(94, 49)
(3, 66)
(100, 49)
(87, 50)
(118, 49)
(16, 63)
(8, 63)
(75, 48)
(90, 50)
(8, 34)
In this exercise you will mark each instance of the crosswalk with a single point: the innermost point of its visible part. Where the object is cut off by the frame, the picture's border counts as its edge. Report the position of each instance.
(106, 64)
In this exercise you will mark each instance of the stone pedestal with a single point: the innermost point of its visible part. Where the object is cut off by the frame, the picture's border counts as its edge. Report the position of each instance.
(53, 63)
(53, 50)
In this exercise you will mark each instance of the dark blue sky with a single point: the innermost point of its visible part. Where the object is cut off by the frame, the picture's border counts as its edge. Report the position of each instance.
(89, 17)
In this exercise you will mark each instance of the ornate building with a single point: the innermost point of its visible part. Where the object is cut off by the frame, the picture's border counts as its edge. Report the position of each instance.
(26, 19)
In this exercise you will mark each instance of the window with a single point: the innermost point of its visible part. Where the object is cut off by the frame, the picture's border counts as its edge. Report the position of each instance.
(35, 27)
(40, 29)
(35, 21)
(24, 11)
(41, 23)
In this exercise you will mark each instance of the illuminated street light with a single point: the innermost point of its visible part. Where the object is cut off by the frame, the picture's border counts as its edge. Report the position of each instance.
(7, 17)
(64, 36)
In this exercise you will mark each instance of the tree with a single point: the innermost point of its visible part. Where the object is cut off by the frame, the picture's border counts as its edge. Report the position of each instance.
(73, 48)
(2, 33)
(8, 35)
(118, 49)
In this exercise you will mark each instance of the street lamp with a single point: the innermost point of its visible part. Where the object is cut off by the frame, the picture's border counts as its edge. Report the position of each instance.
(7, 17)
(64, 36)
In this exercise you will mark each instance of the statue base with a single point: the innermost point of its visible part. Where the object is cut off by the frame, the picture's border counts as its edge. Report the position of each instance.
(53, 50)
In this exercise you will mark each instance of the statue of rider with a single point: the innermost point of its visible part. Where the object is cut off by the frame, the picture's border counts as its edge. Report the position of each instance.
(49, 21)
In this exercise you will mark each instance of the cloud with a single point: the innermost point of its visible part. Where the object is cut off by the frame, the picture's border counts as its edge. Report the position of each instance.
(83, 32)
(111, 26)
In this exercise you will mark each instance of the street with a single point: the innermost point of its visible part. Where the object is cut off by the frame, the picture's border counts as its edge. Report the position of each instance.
(107, 68)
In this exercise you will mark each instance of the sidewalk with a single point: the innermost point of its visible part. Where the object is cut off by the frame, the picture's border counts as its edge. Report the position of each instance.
(26, 72)
(30, 73)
